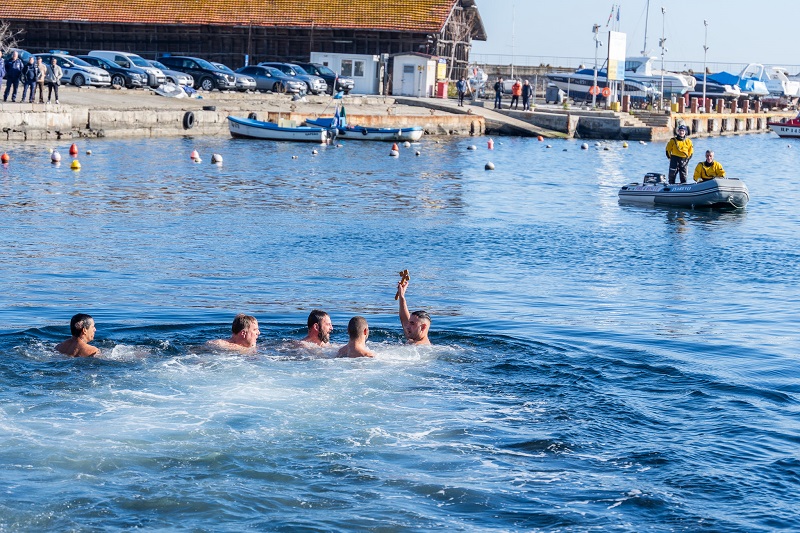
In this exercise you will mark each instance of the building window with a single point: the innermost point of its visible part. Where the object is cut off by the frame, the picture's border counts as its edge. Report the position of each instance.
(352, 68)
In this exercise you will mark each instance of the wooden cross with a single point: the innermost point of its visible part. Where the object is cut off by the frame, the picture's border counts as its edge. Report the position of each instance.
(403, 277)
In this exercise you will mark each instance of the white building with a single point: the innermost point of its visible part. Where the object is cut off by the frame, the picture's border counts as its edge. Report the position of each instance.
(414, 74)
(364, 69)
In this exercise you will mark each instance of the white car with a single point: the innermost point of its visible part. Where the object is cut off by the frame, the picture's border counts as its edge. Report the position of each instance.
(127, 60)
(77, 71)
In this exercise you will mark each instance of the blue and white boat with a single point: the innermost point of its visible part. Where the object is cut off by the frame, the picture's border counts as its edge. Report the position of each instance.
(364, 133)
(577, 84)
(255, 129)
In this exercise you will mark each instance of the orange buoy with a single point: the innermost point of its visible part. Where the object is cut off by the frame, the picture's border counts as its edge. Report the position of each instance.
(194, 155)
(394, 147)
(73, 150)
(540, 138)
(4, 158)
(490, 144)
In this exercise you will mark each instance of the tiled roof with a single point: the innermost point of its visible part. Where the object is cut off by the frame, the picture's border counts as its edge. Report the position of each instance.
(427, 16)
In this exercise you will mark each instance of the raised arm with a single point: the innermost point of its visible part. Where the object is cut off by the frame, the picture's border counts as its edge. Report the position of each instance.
(403, 311)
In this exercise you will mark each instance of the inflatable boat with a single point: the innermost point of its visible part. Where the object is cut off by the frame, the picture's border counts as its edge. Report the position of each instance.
(714, 193)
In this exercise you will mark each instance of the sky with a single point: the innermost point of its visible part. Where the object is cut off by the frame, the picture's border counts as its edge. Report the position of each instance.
(739, 31)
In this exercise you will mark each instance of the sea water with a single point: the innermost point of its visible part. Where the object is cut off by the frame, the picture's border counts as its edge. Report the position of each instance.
(596, 366)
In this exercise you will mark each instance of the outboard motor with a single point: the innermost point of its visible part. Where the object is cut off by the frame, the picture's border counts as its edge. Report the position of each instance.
(654, 178)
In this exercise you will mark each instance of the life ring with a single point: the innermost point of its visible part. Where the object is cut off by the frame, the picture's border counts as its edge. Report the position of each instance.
(188, 120)
(606, 92)
(252, 116)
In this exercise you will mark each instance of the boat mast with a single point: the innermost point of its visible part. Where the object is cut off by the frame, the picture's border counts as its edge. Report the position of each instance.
(513, 18)
(646, 17)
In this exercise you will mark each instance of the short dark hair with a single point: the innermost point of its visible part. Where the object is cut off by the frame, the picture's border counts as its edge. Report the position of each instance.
(315, 317)
(241, 322)
(422, 315)
(356, 326)
(79, 323)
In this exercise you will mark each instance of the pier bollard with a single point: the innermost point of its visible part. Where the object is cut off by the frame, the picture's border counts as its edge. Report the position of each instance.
(734, 105)
(681, 105)
(694, 105)
(626, 103)
(720, 105)
(745, 106)
(757, 106)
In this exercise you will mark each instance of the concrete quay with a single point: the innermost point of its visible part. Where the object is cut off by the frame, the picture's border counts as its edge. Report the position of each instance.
(91, 112)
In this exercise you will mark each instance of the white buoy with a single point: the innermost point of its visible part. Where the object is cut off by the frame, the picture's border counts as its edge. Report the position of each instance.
(549, 146)
(489, 166)
(606, 148)
(88, 152)
(216, 159)
(55, 157)
(642, 142)
(472, 147)
(294, 157)
(314, 152)
(585, 146)
(417, 153)
(394, 153)
(407, 144)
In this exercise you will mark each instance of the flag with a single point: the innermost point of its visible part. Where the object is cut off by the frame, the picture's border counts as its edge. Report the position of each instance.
(335, 121)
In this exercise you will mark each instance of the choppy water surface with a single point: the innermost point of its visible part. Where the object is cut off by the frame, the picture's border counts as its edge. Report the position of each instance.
(596, 366)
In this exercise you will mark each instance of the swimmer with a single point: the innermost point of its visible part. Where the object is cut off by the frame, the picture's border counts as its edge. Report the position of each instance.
(319, 328)
(82, 329)
(358, 330)
(245, 334)
(415, 325)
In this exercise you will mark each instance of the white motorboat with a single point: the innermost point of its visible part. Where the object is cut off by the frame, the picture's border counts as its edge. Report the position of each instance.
(775, 78)
(641, 69)
(577, 85)
(713, 193)
(256, 129)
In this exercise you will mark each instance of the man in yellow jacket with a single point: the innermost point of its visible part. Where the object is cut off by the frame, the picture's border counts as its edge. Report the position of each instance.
(708, 169)
(679, 152)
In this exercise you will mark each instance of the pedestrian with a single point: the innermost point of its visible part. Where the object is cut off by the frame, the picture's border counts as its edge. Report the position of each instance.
(516, 92)
(29, 72)
(527, 91)
(498, 94)
(461, 86)
(14, 68)
(53, 79)
(41, 74)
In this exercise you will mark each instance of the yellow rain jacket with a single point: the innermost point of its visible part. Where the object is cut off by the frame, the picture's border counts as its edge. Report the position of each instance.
(704, 172)
(680, 148)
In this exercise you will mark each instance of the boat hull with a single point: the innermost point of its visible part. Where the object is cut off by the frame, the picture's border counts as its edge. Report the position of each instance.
(789, 129)
(246, 128)
(715, 193)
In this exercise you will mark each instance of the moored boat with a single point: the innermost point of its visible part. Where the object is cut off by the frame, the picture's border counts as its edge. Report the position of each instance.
(787, 128)
(256, 129)
(365, 133)
(714, 193)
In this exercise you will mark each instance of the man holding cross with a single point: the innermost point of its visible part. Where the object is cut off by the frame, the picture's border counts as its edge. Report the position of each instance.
(415, 325)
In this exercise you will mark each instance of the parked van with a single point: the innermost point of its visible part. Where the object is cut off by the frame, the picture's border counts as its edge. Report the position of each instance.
(128, 60)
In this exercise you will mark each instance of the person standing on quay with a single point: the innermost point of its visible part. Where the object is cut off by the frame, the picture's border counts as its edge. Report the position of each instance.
(41, 74)
(53, 79)
(516, 92)
(29, 72)
(679, 152)
(461, 87)
(527, 92)
(498, 94)
(14, 68)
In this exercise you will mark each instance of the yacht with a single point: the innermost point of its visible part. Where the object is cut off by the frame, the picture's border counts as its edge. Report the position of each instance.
(577, 85)
(775, 78)
(641, 69)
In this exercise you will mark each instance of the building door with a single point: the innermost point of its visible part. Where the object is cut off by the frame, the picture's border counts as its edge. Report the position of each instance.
(407, 83)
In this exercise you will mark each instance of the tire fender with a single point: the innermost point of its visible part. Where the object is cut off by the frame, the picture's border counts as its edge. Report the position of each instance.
(188, 120)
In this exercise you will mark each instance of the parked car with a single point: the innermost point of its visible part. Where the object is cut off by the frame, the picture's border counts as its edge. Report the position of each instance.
(173, 76)
(206, 76)
(343, 83)
(22, 54)
(124, 77)
(128, 60)
(243, 81)
(314, 84)
(77, 71)
(272, 79)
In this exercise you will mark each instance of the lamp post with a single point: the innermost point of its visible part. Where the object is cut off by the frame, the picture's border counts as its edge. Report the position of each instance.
(705, 53)
(596, 31)
(661, 43)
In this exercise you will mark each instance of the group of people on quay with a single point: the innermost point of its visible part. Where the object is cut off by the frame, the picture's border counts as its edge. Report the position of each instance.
(245, 332)
(518, 89)
(679, 151)
(33, 76)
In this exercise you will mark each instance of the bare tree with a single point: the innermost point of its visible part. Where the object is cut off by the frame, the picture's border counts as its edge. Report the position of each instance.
(458, 35)
(8, 37)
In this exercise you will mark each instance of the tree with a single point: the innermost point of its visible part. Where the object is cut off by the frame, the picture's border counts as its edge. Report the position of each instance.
(8, 37)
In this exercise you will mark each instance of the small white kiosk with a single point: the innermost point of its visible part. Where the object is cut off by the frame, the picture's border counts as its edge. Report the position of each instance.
(414, 74)
(364, 69)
